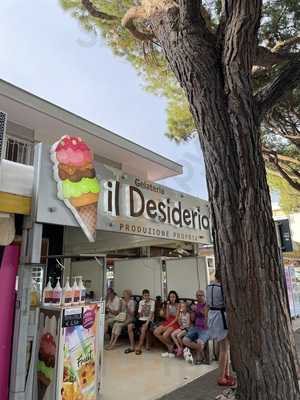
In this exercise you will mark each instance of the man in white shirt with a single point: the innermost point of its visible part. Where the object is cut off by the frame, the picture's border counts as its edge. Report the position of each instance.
(113, 307)
(146, 316)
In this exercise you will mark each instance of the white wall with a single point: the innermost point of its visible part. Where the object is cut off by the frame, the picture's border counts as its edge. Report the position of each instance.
(138, 274)
(186, 275)
(16, 178)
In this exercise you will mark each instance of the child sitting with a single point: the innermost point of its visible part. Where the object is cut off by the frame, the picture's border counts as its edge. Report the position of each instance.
(184, 321)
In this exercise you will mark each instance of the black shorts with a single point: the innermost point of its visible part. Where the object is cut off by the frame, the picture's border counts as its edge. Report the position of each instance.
(138, 324)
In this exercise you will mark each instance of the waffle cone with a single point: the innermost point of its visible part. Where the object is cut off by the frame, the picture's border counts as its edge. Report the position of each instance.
(87, 218)
(43, 383)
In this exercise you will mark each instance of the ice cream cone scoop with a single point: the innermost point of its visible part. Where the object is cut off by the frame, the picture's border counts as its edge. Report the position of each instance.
(77, 183)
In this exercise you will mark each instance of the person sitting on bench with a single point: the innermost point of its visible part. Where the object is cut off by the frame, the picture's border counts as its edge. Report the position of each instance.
(127, 314)
(197, 336)
(145, 317)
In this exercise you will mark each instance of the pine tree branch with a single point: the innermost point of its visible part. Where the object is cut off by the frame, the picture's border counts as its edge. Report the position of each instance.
(293, 183)
(129, 21)
(280, 157)
(296, 173)
(89, 6)
(287, 79)
(266, 58)
(285, 46)
(272, 158)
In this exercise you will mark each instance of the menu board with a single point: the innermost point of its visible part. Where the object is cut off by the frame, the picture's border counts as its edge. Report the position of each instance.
(72, 317)
(80, 347)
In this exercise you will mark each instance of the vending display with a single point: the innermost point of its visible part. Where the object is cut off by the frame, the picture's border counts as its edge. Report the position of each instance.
(70, 352)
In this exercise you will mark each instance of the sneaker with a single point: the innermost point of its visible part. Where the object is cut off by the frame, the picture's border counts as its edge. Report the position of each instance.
(188, 355)
(171, 355)
(165, 355)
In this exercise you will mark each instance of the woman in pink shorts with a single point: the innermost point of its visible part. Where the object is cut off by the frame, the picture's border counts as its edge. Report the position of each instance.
(164, 331)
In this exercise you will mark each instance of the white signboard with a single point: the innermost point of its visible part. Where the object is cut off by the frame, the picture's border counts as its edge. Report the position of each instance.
(128, 204)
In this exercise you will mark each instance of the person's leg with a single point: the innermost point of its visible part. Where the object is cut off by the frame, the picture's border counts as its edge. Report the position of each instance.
(144, 329)
(116, 331)
(109, 322)
(192, 341)
(112, 337)
(199, 350)
(187, 341)
(106, 326)
(223, 359)
(180, 336)
(175, 338)
(167, 339)
(149, 337)
(130, 329)
(158, 333)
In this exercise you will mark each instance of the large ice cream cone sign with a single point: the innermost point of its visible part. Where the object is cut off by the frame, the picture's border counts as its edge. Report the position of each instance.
(77, 184)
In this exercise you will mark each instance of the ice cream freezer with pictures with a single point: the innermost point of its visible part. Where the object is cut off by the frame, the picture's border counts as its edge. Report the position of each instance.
(70, 352)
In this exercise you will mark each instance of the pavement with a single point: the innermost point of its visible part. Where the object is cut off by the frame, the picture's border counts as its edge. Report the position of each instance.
(205, 387)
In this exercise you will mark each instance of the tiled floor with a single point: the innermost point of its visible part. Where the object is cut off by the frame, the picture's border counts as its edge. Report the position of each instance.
(145, 377)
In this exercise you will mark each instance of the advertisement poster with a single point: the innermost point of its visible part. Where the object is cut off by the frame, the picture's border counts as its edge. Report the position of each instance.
(47, 356)
(80, 353)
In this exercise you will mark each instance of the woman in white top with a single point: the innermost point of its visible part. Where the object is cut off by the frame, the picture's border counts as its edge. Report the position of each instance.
(112, 309)
(127, 312)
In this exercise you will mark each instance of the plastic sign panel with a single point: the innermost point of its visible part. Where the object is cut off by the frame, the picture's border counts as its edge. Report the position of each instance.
(47, 355)
(80, 358)
(125, 204)
(77, 184)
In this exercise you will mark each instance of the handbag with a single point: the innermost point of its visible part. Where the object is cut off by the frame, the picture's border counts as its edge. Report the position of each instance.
(121, 317)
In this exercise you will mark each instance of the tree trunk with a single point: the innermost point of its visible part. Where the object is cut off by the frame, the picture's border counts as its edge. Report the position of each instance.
(219, 91)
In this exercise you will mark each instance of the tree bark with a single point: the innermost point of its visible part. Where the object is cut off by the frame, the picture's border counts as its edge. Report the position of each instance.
(217, 81)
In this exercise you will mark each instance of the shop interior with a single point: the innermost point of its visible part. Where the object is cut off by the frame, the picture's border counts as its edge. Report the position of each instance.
(127, 262)
(168, 265)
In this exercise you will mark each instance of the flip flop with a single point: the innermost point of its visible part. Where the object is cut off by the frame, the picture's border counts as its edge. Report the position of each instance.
(138, 352)
(129, 350)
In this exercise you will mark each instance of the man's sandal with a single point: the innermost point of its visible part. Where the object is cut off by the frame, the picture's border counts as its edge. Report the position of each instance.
(129, 350)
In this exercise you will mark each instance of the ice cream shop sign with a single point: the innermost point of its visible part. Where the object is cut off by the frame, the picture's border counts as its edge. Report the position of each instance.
(77, 184)
(122, 199)
(73, 189)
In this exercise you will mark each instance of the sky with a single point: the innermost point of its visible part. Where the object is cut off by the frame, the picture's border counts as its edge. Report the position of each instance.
(46, 52)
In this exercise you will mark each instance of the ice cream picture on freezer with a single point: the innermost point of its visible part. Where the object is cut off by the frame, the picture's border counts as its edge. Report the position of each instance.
(77, 184)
